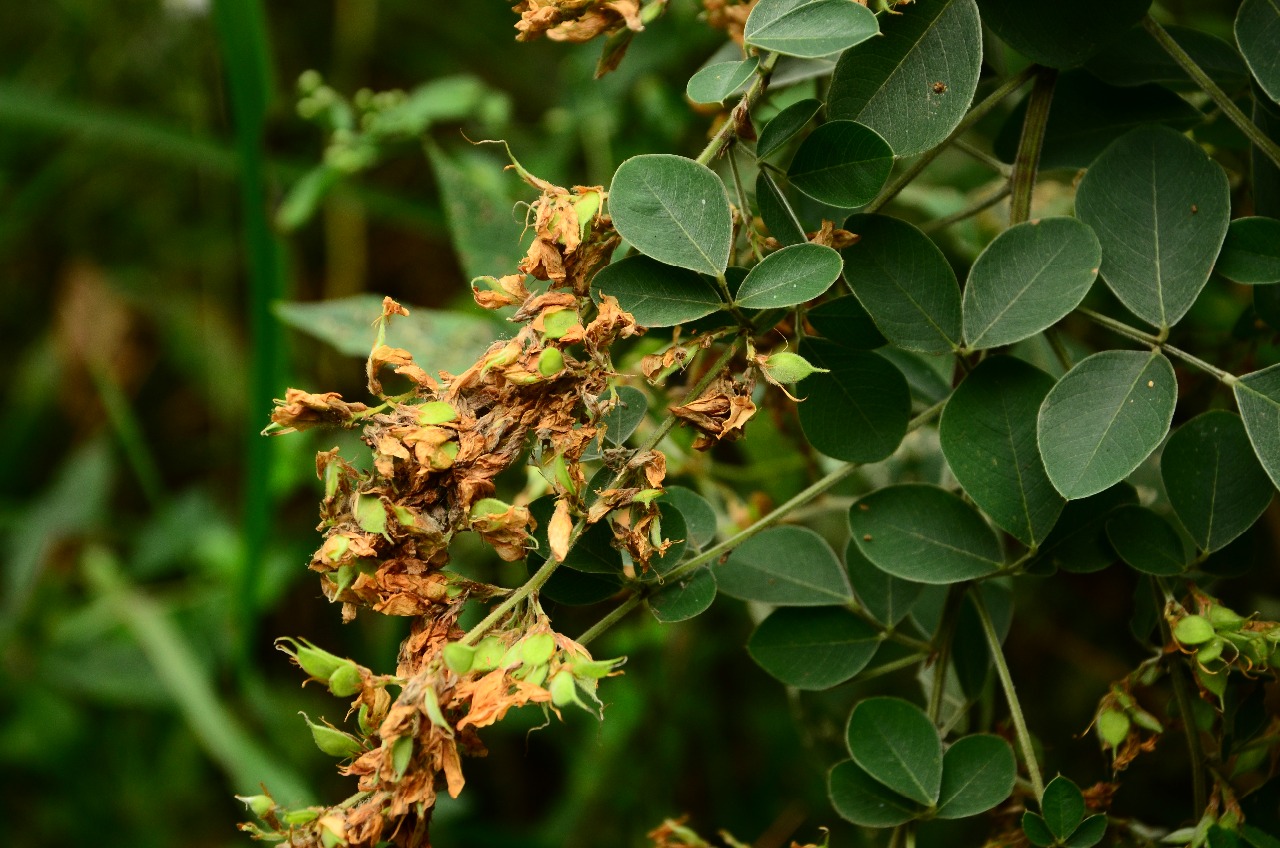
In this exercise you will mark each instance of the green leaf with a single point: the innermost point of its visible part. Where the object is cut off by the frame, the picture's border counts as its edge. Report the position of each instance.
(889, 599)
(657, 295)
(1089, 833)
(842, 163)
(1136, 58)
(978, 772)
(1216, 484)
(844, 321)
(988, 436)
(858, 798)
(924, 533)
(905, 283)
(578, 588)
(1060, 35)
(929, 377)
(914, 83)
(699, 517)
(682, 599)
(1258, 396)
(674, 529)
(813, 648)
(1079, 542)
(1028, 279)
(1088, 115)
(898, 746)
(674, 210)
(808, 29)
(629, 409)
(786, 567)
(789, 276)
(594, 551)
(785, 126)
(1160, 208)
(1062, 807)
(1146, 542)
(716, 83)
(779, 218)
(1036, 830)
(1257, 32)
(1258, 838)
(1251, 252)
(438, 340)
(862, 393)
(1104, 418)
(477, 199)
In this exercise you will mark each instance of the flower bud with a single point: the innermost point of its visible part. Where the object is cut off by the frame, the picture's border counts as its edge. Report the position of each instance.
(332, 741)
(556, 324)
(786, 367)
(564, 689)
(1113, 727)
(346, 680)
(488, 654)
(595, 669)
(1210, 651)
(1193, 630)
(261, 805)
(1225, 619)
(550, 362)
(316, 662)
(401, 754)
(436, 412)
(459, 657)
(537, 649)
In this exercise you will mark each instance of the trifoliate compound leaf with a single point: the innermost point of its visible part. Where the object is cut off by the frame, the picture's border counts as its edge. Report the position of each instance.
(1160, 208)
(629, 408)
(776, 212)
(785, 126)
(1258, 34)
(699, 517)
(1258, 396)
(674, 210)
(717, 83)
(914, 83)
(889, 599)
(682, 599)
(978, 772)
(1104, 418)
(1078, 542)
(1146, 541)
(845, 321)
(861, 799)
(1251, 252)
(1062, 807)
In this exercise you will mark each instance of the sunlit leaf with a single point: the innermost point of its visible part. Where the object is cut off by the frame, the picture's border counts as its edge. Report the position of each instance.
(808, 28)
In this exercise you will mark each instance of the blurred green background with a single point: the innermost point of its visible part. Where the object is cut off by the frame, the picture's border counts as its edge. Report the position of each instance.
(154, 545)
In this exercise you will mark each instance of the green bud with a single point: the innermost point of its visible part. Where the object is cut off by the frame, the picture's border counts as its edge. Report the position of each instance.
(346, 680)
(488, 654)
(488, 506)
(370, 514)
(431, 702)
(362, 720)
(436, 412)
(550, 362)
(329, 839)
(459, 657)
(332, 741)
(537, 674)
(557, 323)
(1113, 727)
(261, 805)
(537, 649)
(564, 689)
(331, 478)
(401, 754)
(316, 662)
(586, 207)
(1211, 650)
(595, 669)
(1193, 630)
(560, 470)
(1225, 619)
(510, 657)
(444, 456)
(786, 367)
(297, 818)
(1146, 720)
(345, 576)
(1214, 683)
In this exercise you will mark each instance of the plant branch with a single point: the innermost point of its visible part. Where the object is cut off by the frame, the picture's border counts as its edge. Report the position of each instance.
(728, 132)
(977, 113)
(1023, 179)
(1195, 752)
(942, 639)
(976, 208)
(984, 157)
(1137, 335)
(1010, 694)
(1251, 130)
(613, 617)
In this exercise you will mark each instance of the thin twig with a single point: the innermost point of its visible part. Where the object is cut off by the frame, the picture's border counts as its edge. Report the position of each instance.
(1137, 335)
(1025, 164)
(1195, 752)
(976, 208)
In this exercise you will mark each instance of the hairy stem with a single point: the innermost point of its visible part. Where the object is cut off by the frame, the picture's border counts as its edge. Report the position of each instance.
(1010, 694)
(977, 113)
(614, 616)
(728, 132)
(1251, 130)
(1023, 179)
(1155, 341)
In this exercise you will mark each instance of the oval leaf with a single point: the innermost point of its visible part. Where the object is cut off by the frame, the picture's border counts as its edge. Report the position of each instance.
(1258, 34)
(789, 276)
(1216, 484)
(978, 772)
(1146, 542)
(897, 745)
(629, 408)
(842, 163)
(859, 410)
(685, 598)
(785, 126)
(1079, 542)
(808, 28)
(858, 798)
(813, 648)
(905, 283)
(887, 598)
(778, 216)
(1104, 418)
(844, 321)
(1137, 58)
(674, 210)
(1062, 807)
(1258, 396)
(1251, 252)
(1029, 278)
(924, 533)
(716, 83)
(786, 567)
(1060, 35)
(914, 83)
(988, 436)
(699, 517)
(578, 588)
(1160, 208)
(655, 294)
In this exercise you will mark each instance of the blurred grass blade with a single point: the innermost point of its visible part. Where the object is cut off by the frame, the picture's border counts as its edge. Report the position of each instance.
(219, 732)
(128, 431)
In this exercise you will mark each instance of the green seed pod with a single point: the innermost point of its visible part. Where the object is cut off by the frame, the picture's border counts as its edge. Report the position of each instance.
(587, 207)
(362, 720)
(1216, 683)
(332, 741)
(346, 680)
(537, 674)
(401, 754)
(316, 662)
(459, 657)
(297, 818)
(564, 689)
(444, 456)
(436, 412)
(1210, 651)
(786, 367)
(488, 654)
(261, 805)
(329, 839)
(1113, 728)
(431, 702)
(1224, 619)
(537, 649)
(550, 362)
(1193, 630)
(595, 669)
(1146, 720)
(556, 324)
(370, 513)
(560, 470)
